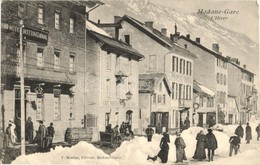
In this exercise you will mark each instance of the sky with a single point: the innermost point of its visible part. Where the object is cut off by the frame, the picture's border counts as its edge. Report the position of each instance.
(246, 21)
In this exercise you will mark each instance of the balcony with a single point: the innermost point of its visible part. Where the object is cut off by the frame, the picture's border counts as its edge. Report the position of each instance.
(184, 103)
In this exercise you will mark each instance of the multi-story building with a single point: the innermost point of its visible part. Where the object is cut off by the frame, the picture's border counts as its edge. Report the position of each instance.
(53, 46)
(210, 69)
(162, 55)
(241, 85)
(112, 78)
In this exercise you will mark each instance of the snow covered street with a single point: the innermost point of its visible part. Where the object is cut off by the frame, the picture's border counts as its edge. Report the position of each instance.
(136, 151)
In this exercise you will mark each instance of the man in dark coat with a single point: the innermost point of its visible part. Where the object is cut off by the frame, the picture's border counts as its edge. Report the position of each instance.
(122, 128)
(29, 130)
(200, 147)
(211, 144)
(258, 131)
(234, 144)
(180, 146)
(239, 131)
(248, 133)
(51, 132)
(149, 132)
(42, 136)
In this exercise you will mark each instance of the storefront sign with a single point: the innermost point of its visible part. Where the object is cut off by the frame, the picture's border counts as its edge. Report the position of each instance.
(29, 33)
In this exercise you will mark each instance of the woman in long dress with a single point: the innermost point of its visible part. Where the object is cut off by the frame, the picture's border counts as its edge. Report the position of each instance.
(13, 133)
(163, 153)
(180, 145)
(200, 147)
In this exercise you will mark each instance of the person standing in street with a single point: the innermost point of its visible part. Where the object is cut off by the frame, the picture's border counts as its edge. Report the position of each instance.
(234, 144)
(164, 152)
(258, 131)
(240, 131)
(200, 147)
(51, 133)
(211, 144)
(42, 131)
(29, 130)
(248, 133)
(149, 132)
(8, 135)
(180, 146)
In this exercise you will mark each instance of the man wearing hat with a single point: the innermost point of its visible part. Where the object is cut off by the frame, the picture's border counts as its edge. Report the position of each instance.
(211, 144)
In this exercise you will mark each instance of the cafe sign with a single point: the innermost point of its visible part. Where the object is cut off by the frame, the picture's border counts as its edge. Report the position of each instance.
(29, 33)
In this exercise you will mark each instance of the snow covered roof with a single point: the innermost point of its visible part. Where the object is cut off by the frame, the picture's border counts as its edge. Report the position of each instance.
(203, 48)
(141, 26)
(115, 46)
(202, 89)
(148, 82)
(91, 27)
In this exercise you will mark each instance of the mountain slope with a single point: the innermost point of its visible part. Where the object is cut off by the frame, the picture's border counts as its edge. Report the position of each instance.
(197, 25)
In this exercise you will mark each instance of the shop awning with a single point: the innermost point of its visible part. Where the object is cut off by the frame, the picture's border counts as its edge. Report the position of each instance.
(202, 89)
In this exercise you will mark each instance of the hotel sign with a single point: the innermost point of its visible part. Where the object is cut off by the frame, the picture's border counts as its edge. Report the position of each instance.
(29, 33)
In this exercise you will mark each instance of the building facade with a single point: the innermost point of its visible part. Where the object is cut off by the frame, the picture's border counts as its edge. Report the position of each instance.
(112, 78)
(154, 101)
(210, 69)
(53, 45)
(241, 85)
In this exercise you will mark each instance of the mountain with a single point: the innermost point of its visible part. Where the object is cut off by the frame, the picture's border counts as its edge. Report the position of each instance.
(231, 43)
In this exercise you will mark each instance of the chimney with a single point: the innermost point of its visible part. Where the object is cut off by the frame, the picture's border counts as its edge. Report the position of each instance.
(116, 19)
(244, 66)
(149, 24)
(99, 21)
(215, 47)
(175, 29)
(228, 57)
(164, 31)
(198, 40)
(188, 36)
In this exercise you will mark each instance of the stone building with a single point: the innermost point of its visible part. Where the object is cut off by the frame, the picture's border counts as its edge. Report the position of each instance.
(53, 46)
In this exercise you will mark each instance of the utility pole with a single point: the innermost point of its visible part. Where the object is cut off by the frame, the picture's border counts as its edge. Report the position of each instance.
(22, 90)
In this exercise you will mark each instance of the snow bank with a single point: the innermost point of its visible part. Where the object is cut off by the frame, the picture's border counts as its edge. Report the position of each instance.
(136, 150)
(82, 153)
(246, 157)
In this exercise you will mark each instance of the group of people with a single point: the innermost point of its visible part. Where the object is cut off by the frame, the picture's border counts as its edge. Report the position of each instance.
(207, 141)
(119, 133)
(44, 136)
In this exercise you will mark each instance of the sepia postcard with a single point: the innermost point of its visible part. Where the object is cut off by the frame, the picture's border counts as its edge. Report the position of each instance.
(130, 82)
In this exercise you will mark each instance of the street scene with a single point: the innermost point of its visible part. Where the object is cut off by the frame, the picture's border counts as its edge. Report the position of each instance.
(129, 82)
